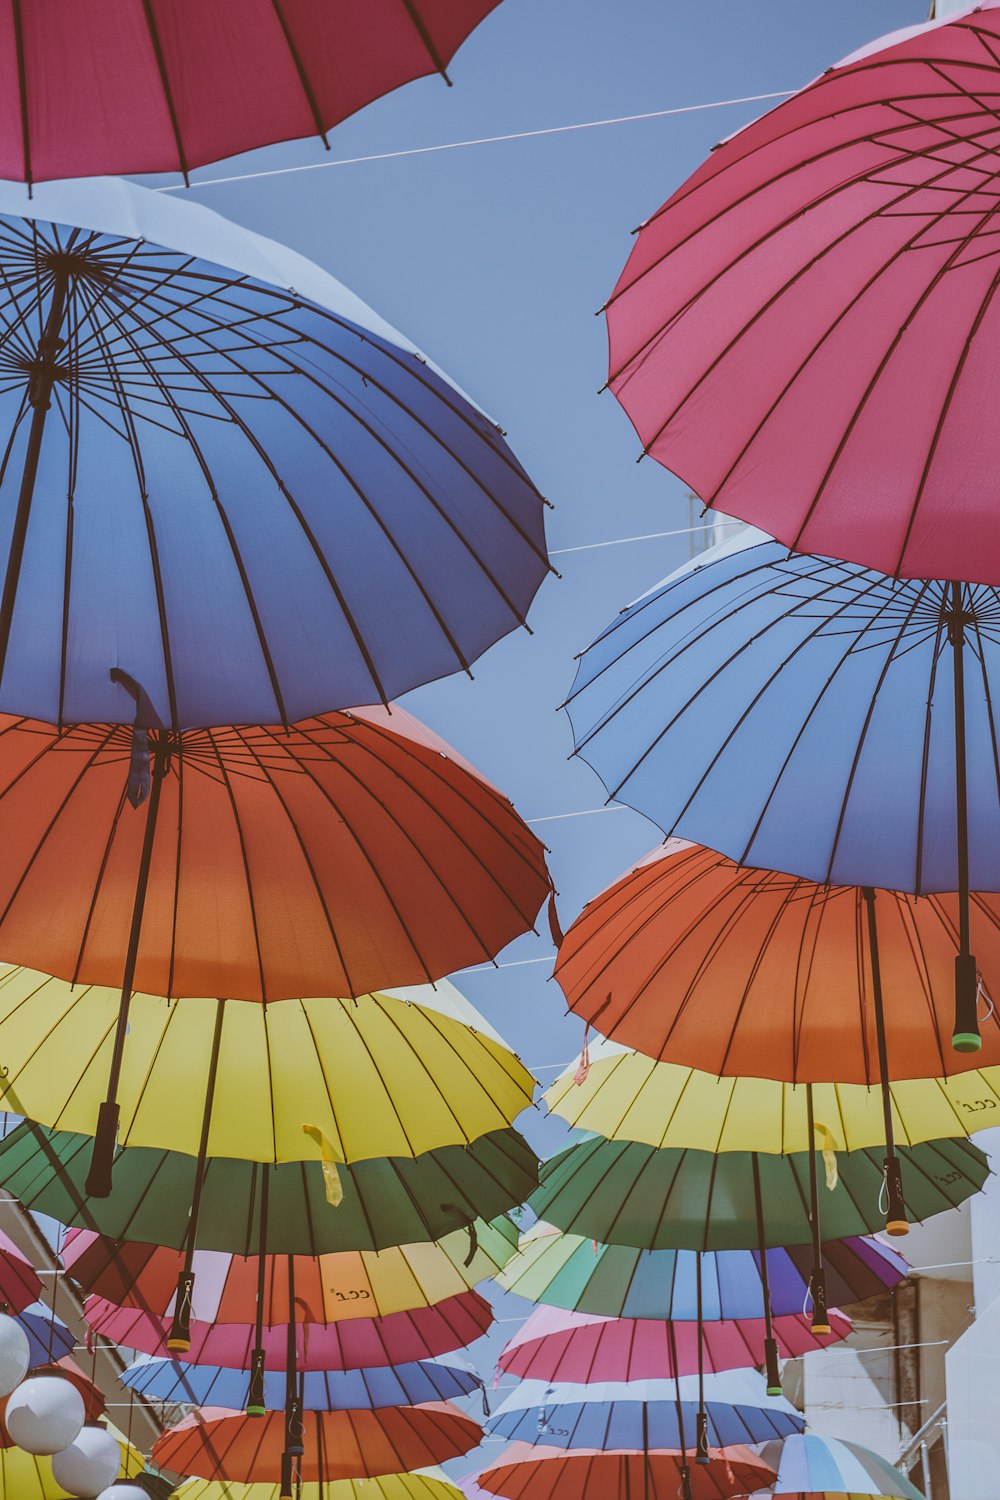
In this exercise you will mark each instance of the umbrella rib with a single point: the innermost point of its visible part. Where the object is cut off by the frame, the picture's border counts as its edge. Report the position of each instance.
(168, 93)
(244, 861)
(423, 31)
(302, 71)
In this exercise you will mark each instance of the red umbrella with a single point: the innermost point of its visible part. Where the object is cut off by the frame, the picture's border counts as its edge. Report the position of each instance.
(356, 1344)
(807, 331)
(216, 1444)
(529, 1471)
(113, 86)
(20, 1285)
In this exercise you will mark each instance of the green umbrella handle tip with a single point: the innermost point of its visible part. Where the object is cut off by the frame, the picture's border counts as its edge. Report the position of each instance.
(256, 1411)
(967, 1041)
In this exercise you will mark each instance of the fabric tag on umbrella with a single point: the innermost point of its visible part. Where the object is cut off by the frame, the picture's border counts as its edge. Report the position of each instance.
(330, 1158)
(583, 1071)
(828, 1147)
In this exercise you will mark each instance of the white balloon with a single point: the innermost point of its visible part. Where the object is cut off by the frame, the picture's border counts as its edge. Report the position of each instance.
(45, 1414)
(89, 1464)
(15, 1354)
(124, 1491)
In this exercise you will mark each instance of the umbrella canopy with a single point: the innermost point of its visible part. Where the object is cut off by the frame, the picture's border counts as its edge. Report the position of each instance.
(48, 1336)
(568, 1271)
(695, 959)
(643, 1413)
(529, 1471)
(805, 330)
(92, 90)
(328, 1289)
(812, 1467)
(346, 853)
(397, 1075)
(31, 1478)
(556, 1345)
(215, 1444)
(322, 1390)
(430, 1484)
(626, 1095)
(624, 1193)
(231, 430)
(386, 1200)
(20, 1284)
(359, 1343)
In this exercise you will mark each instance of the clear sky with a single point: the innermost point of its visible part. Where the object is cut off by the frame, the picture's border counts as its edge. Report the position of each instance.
(494, 259)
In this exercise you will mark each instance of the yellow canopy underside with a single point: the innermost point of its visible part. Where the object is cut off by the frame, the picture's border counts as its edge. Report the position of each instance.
(628, 1096)
(379, 1076)
(24, 1477)
(428, 1484)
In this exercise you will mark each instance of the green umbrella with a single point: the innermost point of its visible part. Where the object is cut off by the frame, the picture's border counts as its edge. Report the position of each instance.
(386, 1200)
(624, 1193)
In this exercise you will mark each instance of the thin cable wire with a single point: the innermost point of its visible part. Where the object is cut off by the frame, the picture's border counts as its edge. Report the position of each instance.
(484, 140)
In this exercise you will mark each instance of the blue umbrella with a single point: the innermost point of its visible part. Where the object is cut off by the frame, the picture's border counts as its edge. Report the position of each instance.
(641, 1414)
(810, 1464)
(322, 1390)
(810, 716)
(48, 1337)
(231, 492)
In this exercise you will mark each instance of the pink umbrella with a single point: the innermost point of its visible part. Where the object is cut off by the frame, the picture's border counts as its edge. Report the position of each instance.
(360, 1343)
(807, 331)
(578, 1347)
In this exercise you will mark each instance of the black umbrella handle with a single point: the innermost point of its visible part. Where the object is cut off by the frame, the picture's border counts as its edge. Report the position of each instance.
(817, 1290)
(771, 1367)
(179, 1339)
(965, 1037)
(255, 1397)
(285, 1492)
(896, 1222)
(701, 1439)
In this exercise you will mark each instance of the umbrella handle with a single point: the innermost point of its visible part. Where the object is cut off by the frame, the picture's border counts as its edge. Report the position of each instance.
(817, 1290)
(98, 1184)
(701, 1438)
(771, 1367)
(255, 1406)
(895, 1210)
(179, 1339)
(965, 1037)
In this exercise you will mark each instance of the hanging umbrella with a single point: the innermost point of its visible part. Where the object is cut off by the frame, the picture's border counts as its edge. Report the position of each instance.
(215, 1444)
(624, 1193)
(321, 1390)
(530, 1471)
(570, 1271)
(627, 1095)
(556, 1345)
(20, 1284)
(253, 500)
(356, 1284)
(643, 1413)
(807, 716)
(386, 1200)
(359, 1343)
(428, 1484)
(806, 330)
(30, 1478)
(813, 1467)
(157, 90)
(48, 1336)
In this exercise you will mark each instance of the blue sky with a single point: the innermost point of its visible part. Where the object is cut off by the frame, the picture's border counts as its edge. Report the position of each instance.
(494, 259)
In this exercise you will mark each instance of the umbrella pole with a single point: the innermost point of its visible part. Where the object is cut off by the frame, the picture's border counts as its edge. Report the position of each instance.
(817, 1277)
(40, 384)
(771, 1367)
(255, 1399)
(179, 1339)
(686, 1492)
(895, 1213)
(701, 1428)
(106, 1136)
(965, 1037)
(293, 1406)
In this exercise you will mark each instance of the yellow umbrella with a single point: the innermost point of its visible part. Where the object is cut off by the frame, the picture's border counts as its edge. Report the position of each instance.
(625, 1095)
(423, 1484)
(25, 1477)
(394, 1074)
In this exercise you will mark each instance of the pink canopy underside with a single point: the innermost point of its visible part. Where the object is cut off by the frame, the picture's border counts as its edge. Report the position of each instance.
(112, 86)
(807, 332)
(557, 1345)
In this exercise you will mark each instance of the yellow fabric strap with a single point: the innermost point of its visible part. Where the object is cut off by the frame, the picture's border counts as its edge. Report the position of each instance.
(330, 1158)
(828, 1146)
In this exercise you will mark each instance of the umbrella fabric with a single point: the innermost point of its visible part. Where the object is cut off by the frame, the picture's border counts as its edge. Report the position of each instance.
(529, 1471)
(328, 1289)
(322, 1390)
(398, 1338)
(106, 90)
(556, 1345)
(624, 1193)
(48, 1336)
(215, 1444)
(809, 1464)
(643, 1413)
(696, 960)
(429, 1484)
(20, 1284)
(569, 1271)
(386, 1200)
(797, 714)
(805, 330)
(626, 1095)
(344, 854)
(30, 1478)
(254, 498)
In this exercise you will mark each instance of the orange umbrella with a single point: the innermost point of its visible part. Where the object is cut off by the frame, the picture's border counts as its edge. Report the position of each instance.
(693, 959)
(217, 1444)
(530, 1471)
